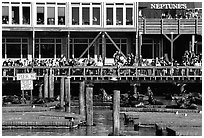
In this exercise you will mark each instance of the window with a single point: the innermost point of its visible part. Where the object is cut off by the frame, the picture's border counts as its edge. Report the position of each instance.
(96, 16)
(15, 15)
(5, 15)
(119, 16)
(50, 15)
(48, 48)
(26, 15)
(129, 16)
(78, 45)
(3, 48)
(14, 48)
(85, 16)
(40, 15)
(109, 15)
(111, 49)
(75, 15)
(61, 16)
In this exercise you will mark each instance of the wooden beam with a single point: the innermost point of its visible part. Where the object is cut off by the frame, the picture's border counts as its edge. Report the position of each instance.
(90, 45)
(114, 44)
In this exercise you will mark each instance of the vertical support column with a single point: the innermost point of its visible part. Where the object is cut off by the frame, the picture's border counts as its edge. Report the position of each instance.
(172, 46)
(89, 105)
(137, 30)
(140, 44)
(116, 112)
(193, 43)
(68, 45)
(46, 84)
(62, 92)
(103, 46)
(82, 98)
(33, 44)
(136, 46)
(51, 84)
(67, 95)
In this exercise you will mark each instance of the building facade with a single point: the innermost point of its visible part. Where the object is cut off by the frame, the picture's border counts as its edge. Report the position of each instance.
(82, 29)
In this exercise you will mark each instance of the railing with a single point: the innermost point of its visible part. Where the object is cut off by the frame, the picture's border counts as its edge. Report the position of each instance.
(107, 72)
(146, 26)
(167, 26)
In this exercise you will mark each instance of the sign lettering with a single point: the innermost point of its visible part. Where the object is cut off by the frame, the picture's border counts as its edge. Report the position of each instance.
(168, 6)
(26, 84)
(26, 76)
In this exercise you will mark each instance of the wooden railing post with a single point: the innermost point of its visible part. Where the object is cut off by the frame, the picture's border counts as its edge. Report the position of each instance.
(144, 25)
(196, 26)
(179, 25)
(162, 26)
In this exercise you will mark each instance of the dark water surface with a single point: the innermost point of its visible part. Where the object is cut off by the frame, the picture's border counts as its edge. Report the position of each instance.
(102, 127)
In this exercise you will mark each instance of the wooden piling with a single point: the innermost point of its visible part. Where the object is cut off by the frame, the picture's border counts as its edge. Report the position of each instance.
(116, 112)
(46, 85)
(23, 97)
(89, 105)
(82, 98)
(51, 84)
(62, 92)
(67, 95)
(31, 96)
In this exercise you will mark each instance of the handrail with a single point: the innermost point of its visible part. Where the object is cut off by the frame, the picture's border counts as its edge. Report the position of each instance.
(108, 71)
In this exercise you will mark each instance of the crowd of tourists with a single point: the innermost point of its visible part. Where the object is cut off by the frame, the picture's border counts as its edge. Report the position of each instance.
(189, 59)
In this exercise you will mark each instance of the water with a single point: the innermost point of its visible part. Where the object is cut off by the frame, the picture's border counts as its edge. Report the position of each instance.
(102, 127)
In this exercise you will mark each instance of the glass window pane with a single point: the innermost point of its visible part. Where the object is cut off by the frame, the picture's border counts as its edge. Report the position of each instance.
(61, 16)
(109, 16)
(3, 50)
(26, 15)
(110, 50)
(79, 49)
(15, 15)
(75, 15)
(40, 15)
(13, 50)
(14, 40)
(119, 16)
(58, 50)
(96, 16)
(85, 16)
(50, 15)
(129, 16)
(5, 15)
(146, 51)
(47, 50)
(37, 51)
(25, 50)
